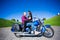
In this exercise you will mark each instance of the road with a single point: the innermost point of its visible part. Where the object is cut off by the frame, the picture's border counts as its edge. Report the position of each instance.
(6, 34)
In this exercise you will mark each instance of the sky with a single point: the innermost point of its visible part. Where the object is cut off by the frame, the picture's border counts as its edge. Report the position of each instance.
(13, 9)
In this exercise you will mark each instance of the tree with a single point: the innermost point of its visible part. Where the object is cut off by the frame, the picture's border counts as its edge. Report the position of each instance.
(44, 18)
(13, 19)
(17, 20)
(58, 13)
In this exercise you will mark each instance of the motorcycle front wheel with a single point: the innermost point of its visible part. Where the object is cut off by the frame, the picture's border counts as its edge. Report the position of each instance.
(49, 32)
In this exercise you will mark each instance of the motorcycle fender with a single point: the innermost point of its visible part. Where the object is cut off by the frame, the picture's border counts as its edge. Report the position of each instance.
(47, 26)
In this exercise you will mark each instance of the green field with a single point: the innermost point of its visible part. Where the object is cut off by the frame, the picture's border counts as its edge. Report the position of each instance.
(6, 23)
(54, 21)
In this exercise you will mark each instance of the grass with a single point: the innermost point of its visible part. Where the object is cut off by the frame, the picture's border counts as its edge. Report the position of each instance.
(54, 21)
(6, 23)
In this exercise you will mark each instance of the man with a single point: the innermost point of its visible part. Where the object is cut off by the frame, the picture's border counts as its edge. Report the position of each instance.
(24, 19)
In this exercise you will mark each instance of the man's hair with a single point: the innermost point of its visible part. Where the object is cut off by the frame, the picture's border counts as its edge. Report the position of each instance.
(24, 13)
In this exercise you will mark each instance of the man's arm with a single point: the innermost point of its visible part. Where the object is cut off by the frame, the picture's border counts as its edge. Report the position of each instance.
(23, 18)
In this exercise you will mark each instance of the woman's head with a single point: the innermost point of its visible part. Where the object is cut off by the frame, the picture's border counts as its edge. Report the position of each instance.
(29, 12)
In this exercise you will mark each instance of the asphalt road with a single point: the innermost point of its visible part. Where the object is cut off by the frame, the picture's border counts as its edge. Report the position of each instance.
(6, 34)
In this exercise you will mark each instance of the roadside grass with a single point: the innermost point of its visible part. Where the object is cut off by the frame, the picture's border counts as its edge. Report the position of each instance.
(54, 21)
(6, 23)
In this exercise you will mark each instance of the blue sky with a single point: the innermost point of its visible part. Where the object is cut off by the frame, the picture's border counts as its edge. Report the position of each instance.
(40, 8)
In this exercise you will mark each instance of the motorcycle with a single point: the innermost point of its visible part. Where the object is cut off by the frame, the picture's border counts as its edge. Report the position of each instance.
(36, 28)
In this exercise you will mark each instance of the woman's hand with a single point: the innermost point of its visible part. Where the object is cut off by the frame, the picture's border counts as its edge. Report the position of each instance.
(29, 17)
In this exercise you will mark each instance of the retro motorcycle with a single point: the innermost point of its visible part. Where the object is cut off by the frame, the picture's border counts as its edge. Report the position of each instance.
(36, 28)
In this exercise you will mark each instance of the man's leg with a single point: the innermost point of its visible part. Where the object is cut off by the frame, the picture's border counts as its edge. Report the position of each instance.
(25, 24)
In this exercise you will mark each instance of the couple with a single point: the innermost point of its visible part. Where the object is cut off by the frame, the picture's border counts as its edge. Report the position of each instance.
(25, 19)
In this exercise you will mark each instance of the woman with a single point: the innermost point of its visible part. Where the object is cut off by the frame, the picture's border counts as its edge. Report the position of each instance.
(29, 15)
(30, 19)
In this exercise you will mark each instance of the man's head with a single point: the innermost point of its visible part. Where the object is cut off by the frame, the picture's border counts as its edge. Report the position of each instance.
(24, 14)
